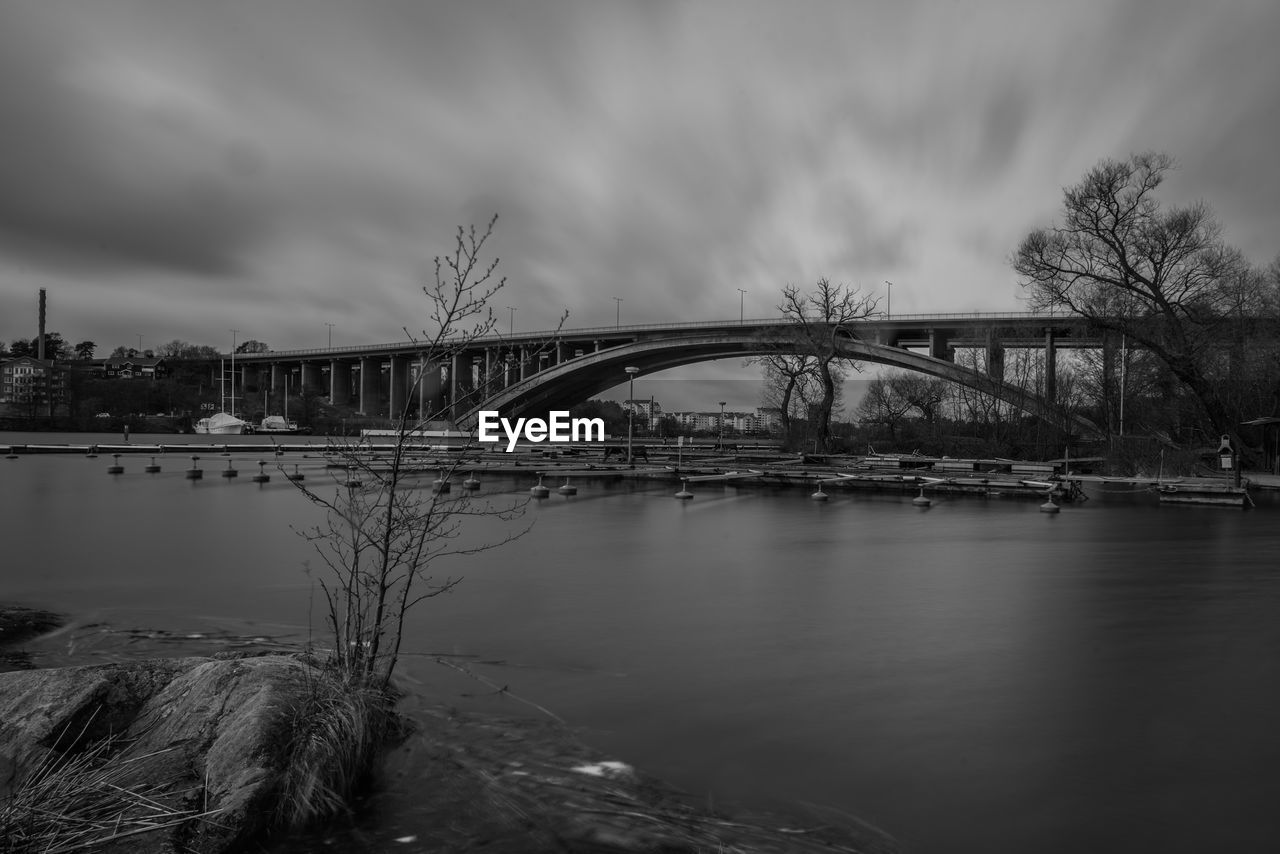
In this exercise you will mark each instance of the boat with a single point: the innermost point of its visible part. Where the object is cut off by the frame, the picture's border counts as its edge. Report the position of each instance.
(278, 424)
(221, 424)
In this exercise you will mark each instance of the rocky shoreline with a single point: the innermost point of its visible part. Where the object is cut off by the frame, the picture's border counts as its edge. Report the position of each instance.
(206, 742)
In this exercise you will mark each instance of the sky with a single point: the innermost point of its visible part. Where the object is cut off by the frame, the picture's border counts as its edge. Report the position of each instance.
(177, 169)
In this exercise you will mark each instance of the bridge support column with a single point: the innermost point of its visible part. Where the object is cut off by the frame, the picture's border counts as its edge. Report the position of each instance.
(339, 381)
(277, 377)
(938, 348)
(252, 377)
(430, 389)
(397, 386)
(370, 385)
(310, 376)
(461, 383)
(995, 358)
(1050, 368)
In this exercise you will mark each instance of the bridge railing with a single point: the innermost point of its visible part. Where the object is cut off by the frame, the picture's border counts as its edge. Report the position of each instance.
(499, 338)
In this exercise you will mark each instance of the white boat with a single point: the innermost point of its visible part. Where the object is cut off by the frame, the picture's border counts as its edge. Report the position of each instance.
(279, 424)
(220, 424)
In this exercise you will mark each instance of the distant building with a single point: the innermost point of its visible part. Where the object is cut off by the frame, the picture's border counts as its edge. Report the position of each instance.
(133, 367)
(29, 385)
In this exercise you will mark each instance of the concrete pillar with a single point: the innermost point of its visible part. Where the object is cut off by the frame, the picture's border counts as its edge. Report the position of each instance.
(397, 386)
(938, 348)
(524, 362)
(995, 358)
(310, 376)
(1050, 368)
(253, 376)
(370, 385)
(277, 377)
(339, 381)
(430, 389)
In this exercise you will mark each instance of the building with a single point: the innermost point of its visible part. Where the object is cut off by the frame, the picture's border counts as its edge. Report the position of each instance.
(31, 386)
(133, 367)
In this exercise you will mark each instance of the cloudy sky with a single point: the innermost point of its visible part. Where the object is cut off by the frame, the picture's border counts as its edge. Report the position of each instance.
(181, 168)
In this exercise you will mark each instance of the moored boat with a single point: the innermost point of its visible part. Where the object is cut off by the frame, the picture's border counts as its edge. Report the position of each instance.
(278, 424)
(220, 424)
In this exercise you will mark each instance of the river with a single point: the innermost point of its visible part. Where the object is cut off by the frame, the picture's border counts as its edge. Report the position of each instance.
(974, 676)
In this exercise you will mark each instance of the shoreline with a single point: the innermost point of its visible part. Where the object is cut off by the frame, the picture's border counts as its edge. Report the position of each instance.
(489, 779)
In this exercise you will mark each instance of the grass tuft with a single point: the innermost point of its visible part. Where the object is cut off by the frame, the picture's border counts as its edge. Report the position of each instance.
(337, 731)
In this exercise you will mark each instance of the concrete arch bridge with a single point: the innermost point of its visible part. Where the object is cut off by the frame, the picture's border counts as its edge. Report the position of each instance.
(532, 373)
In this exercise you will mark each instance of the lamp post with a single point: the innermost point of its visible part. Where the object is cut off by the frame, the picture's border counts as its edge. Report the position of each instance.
(888, 304)
(330, 325)
(617, 317)
(631, 409)
(722, 425)
(511, 329)
(742, 295)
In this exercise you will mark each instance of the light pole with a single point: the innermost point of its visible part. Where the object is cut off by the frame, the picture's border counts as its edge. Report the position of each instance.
(233, 372)
(330, 325)
(722, 425)
(742, 295)
(617, 317)
(139, 334)
(888, 305)
(511, 330)
(631, 410)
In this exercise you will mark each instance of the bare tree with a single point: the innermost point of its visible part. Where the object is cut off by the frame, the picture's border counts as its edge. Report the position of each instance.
(789, 384)
(386, 525)
(884, 404)
(819, 315)
(1163, 277)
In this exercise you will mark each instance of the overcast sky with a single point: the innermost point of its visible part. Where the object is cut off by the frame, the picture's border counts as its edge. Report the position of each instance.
(181, 168)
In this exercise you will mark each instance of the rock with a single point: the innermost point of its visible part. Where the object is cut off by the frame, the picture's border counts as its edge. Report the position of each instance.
(205, 737)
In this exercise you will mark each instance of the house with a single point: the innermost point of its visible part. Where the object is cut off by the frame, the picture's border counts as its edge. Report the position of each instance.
(133, 367)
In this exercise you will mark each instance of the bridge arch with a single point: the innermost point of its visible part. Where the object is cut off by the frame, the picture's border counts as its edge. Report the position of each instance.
(575, 380)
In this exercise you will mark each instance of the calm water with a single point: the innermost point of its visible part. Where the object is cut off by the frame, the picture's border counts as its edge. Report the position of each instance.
(975, 676)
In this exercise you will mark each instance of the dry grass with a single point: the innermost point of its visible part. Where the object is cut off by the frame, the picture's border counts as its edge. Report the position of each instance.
(79, 801)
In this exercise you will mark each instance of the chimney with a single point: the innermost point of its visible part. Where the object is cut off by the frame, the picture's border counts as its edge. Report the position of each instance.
(40, 344)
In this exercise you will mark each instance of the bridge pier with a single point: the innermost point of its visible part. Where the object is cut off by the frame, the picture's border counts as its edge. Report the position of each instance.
(339, 381)
(370, 385)
(1050, 367)
(277, 376)
(995, 357)
(430, 381)
(310, 375)
(397, 386)
(938, 348)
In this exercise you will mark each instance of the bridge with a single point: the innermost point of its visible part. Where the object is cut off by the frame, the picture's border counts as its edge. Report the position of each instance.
(531, 373)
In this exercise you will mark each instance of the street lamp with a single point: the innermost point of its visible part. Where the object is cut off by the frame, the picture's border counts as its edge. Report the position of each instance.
(330, 325)
(617, 318)
(888, 305)
(742, 295)
(722, 425)
(631, 409)
(511, 330)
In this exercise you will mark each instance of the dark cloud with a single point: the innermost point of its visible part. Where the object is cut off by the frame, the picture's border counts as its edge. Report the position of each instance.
(282, 164)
